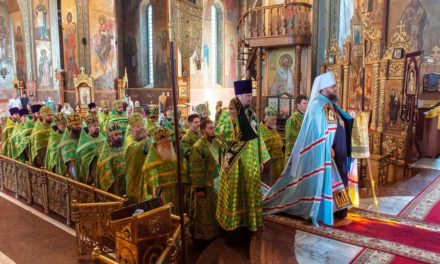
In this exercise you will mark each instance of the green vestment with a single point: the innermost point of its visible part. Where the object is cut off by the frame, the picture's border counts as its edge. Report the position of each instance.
(135, 154)
(88, 149)
(111, 169)
(239, 195)
(67, 148)
(292, 128)
(24, 138)
(7, 144)
(274, 145)
(103, 119)
(155, 174)
(15, 140)
(204, 162)
(52, 154)
(121, 119)
(39, 139)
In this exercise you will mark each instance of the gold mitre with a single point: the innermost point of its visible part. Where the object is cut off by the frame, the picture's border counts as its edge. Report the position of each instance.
(113, 128)
(137, 109)
(154, 110)
(105, 104)
(45, 111)
(161, 134)
(135, 119)
(270, 112)
(59, 118)
(74, 119)
(117, 103)
(91, 119)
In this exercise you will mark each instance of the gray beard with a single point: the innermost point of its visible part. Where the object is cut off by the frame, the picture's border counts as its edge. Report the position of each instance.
(166, 155)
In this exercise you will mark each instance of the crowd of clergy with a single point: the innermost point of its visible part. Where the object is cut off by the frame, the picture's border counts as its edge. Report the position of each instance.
(134, 155)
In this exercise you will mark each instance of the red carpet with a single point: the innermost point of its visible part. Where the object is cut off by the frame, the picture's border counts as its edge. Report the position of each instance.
(425, 206)
(398, 233)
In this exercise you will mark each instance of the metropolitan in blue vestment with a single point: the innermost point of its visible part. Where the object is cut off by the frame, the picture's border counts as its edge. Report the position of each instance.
(313, 184)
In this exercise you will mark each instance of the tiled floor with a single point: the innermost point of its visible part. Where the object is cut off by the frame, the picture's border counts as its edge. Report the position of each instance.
(312, 249)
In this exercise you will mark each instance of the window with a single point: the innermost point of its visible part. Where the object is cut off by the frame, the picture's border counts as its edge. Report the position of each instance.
(146, 68)
(149, 42)
(217, 43)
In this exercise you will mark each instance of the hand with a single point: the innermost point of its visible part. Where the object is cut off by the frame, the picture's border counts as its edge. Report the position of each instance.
(201, 194)
(261, 168)
(333, 153)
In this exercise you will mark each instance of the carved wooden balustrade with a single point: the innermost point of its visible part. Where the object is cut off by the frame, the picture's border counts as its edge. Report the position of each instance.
(61, 195)
(277, 25)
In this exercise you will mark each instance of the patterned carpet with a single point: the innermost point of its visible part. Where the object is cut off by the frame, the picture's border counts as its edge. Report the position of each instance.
(423, 210)
(388, 239)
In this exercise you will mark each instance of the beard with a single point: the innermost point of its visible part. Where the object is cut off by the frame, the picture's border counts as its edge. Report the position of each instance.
(76, 133)
(139, 134)
(117, 143)
(333, 97)
(95, 134)
(166, 155)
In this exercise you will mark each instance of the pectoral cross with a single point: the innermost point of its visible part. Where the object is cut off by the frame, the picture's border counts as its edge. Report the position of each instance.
(401, 26)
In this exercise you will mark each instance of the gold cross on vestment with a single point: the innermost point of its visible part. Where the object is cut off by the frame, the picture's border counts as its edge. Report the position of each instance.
(401, 26)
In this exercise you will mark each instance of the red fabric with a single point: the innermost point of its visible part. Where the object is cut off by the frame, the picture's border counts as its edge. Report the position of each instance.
(405, 235)
(434, 216)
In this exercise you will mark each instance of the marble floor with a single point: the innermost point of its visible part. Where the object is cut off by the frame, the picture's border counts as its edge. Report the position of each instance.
(312, 249)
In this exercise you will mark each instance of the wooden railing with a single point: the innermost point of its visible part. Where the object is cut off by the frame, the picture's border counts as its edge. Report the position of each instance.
(61, 195)
(283, 20)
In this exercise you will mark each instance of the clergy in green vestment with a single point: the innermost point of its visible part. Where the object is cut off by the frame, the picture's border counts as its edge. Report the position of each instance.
(67, 147)
(40, 137)
(151, 120)
(169, 123)
(16, 134)
(204, 164)
(293, 124)
(24, 146)
(89, 146)
(118, 115)
(274, 145)
(160, 170)
(7, 144)
(186, 144)
(239, 195)
(111, 162)
(53, 153)
(104, 115)
(136, 149)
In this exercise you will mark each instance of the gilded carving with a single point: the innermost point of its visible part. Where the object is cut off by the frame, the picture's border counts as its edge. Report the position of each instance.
(188, 25)
(154, 225)
(383, 69)
(396, 69)
(400, 39)
(376, 143)
(401, 148)
(383, 164)
(389, 146)
(374, 95)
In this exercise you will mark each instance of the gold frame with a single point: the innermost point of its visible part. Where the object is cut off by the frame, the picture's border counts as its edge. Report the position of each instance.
(80, 81)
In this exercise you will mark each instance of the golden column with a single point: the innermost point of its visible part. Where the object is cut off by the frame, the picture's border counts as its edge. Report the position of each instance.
(298, 51)
(259, 79)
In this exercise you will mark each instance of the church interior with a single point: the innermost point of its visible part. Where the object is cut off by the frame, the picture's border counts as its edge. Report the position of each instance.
(180, 59)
